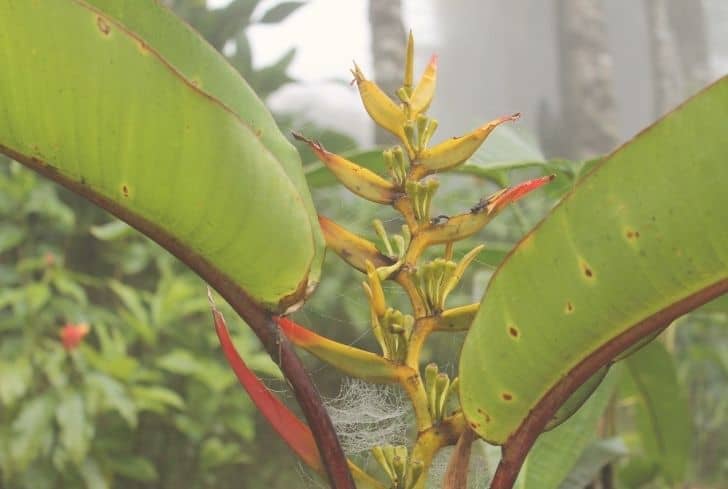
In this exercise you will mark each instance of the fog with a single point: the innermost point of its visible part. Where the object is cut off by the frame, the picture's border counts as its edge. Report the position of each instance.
(502, 57)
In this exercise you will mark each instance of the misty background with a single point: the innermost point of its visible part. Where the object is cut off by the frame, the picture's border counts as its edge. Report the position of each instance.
(586, 75)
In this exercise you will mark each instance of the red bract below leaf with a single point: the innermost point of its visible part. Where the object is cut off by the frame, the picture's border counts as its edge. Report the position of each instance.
(292, 430)
(72, 334)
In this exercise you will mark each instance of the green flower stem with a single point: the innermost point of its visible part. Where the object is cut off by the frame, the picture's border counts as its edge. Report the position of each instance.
(448, 250)
(417, 246)
(404, 279)
(404, 206)
(421, 331)
(415, 389)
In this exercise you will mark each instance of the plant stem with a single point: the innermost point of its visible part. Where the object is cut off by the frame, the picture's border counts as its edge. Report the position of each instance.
(404, 206)
(430, 441)
(456, 476)
(404, 279)
(415, 390)
(421, 331)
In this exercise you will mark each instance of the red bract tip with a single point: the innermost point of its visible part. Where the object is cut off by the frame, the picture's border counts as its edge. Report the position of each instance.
(512, 194)
(72, 334)
(433, 60)
(294, 331)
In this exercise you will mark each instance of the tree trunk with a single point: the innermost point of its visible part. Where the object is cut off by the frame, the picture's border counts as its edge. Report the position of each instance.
(667, 82)
(388, 50)
(588, 115)
(688, 24)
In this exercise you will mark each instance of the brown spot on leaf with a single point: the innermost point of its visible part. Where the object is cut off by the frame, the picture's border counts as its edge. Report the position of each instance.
(125, 190)
(513, 331)
(569, 307)
(506, 396)
(103, 25)
(586, 269)
(485, 415)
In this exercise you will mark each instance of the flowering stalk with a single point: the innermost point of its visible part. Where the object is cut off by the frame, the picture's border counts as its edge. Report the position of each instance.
(410, 190)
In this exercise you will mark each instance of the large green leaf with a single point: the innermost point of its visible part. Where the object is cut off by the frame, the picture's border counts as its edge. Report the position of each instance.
(126, 105)
(662, 413)
(640, 240)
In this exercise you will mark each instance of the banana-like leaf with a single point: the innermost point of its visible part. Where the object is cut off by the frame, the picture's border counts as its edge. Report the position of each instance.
(639, 241)
(129, 107)
(592, 460)
(662, 413)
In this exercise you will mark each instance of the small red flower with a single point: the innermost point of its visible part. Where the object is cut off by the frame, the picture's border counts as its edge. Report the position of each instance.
(72, 334)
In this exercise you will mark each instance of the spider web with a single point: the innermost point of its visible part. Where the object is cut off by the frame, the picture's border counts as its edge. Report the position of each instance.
(479, 468)
(366, 415)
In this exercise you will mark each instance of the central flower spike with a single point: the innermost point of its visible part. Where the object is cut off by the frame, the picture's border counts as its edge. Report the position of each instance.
(409, 186)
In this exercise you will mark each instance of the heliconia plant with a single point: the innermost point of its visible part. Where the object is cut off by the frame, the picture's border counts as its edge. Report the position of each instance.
(401, 336)
(161, 132)
(576, 368)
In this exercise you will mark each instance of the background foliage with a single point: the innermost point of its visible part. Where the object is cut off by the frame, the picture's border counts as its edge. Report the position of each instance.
(145, 398)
